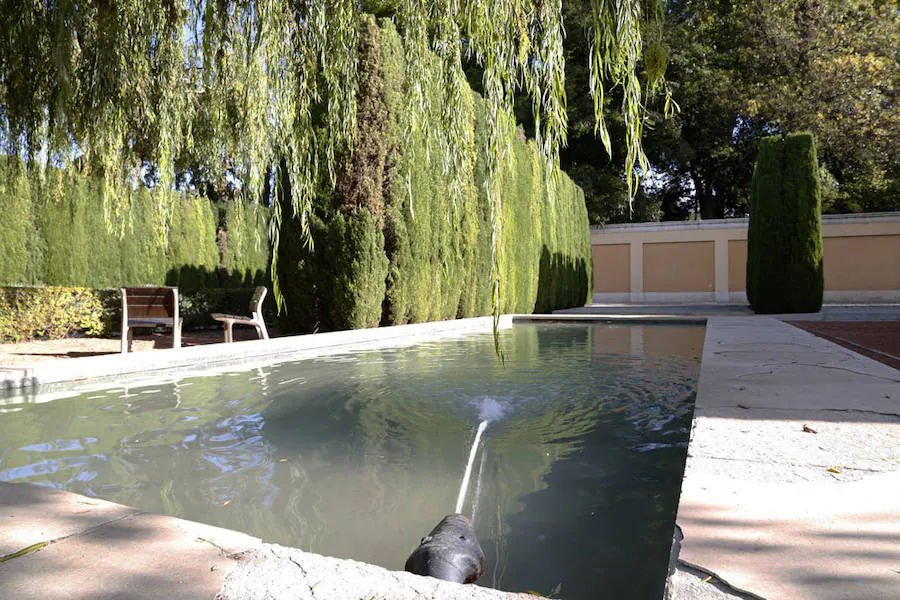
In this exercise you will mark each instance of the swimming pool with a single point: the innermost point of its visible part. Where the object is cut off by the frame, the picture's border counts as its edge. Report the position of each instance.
(573, 489)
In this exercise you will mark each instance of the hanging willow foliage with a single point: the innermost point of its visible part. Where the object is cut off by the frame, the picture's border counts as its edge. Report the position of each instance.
(230, 90)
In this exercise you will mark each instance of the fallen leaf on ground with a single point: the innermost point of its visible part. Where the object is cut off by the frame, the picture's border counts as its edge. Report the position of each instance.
(744, 407)
(836, 469)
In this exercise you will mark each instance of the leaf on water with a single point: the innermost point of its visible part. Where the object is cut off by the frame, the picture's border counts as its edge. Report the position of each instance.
(808, 429)
(744, 407)
(709, 578)
(836, 469)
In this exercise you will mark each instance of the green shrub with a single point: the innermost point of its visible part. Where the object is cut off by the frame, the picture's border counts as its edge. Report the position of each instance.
(49, 312)
(192, 256)
(245, 252)
(360, 270)
(15, 206)
(784, 239)
(196, 306)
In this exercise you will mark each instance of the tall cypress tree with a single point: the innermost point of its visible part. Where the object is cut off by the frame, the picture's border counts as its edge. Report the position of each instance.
(784, 240)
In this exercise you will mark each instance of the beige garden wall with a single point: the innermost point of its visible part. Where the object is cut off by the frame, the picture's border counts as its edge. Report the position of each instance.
(705, 261)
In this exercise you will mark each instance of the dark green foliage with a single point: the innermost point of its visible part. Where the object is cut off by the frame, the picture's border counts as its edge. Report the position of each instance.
(361, 181)
(245, 248)
(396, 244)
(55, 232)
(306, 278)
(18, 226)
(192, 254)
(784, 240)
(196, 306)
(360, 270)
(143, 257)
(61, 221)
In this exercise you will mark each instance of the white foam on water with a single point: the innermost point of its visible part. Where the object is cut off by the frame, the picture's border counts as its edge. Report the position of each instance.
(491, 410)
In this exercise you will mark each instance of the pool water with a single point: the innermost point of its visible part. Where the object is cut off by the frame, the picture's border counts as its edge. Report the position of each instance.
(573, 489)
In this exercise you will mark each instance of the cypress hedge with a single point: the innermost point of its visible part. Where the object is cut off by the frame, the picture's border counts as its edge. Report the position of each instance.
(54, 233)
(784, 239)
(395, 244)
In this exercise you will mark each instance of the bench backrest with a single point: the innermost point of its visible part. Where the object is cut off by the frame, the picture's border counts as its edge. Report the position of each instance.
(149, 302)
(257, 301)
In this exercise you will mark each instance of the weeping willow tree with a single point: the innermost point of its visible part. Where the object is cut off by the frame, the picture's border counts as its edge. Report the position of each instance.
(164, 94)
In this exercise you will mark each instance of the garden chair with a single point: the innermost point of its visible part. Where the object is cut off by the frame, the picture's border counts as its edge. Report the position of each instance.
(256, 320)
(150, 307)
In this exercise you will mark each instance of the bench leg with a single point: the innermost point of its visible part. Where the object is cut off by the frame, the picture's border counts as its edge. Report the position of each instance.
(228, 337)
(128, 340)
(261, 331)
(176, 335)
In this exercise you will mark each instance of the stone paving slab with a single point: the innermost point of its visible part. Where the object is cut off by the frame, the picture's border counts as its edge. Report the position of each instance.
(762, 363)
(778, 510)
(291, 574)
(796, 541)
(30, 514)
(100, 550)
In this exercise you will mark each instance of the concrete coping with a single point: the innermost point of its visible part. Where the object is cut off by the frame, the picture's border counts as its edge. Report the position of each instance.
(63, 373)
(630, 319)
(739, 222)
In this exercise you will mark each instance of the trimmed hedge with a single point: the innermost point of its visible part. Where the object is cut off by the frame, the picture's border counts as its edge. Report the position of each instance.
(784, 239)
(244, 245)
(54, 233)
(393, 236)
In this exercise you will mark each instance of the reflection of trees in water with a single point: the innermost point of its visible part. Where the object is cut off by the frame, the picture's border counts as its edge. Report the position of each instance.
(179, 450)
(360, 456)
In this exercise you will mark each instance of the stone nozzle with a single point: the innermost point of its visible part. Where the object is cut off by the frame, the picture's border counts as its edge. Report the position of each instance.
(450, 552)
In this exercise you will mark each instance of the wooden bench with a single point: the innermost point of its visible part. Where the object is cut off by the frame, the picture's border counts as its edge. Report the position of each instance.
(256, 320)
(149, 307)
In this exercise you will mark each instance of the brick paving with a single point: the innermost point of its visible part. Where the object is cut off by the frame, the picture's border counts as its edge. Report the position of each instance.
(878, 340)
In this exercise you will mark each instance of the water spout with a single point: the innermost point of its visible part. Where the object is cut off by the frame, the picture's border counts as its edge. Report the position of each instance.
(468, 474)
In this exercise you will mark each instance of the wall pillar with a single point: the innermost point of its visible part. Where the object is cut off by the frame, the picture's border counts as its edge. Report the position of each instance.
(637, 271)
(721, 276)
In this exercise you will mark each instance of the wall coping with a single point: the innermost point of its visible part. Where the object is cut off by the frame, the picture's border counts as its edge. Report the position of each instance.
(740, 223)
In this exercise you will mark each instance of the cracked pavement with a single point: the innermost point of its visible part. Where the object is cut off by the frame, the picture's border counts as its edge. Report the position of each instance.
(790, 487)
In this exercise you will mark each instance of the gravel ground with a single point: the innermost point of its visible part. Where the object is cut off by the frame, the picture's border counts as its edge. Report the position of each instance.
(78, 347)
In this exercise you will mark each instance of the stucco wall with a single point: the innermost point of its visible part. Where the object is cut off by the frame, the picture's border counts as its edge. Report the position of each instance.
(705, 261)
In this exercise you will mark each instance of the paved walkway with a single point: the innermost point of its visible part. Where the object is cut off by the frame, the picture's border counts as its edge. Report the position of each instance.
(58, 545)
(793, 472)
